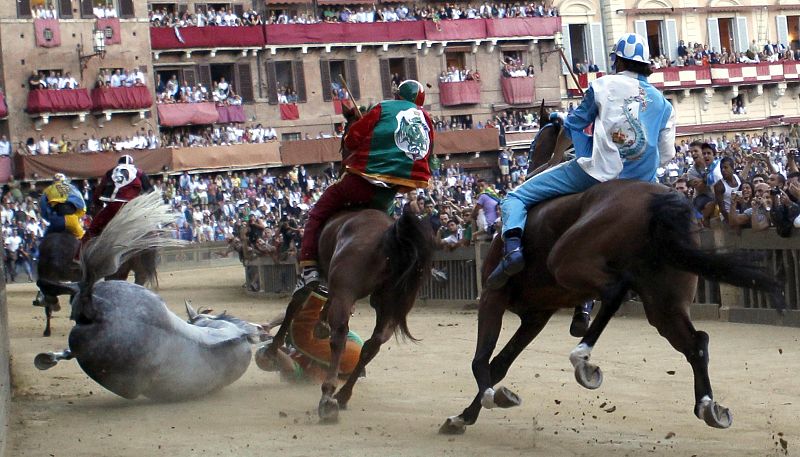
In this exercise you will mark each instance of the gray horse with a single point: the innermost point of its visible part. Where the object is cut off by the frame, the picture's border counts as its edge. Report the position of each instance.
(127, 340)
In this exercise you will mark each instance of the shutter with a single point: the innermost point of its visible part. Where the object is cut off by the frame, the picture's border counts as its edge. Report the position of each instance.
(244, 86)
(238, 10)
(671, 39)
(24, 9)
(640, 27)
(272, 83)
(386, 78)
(783, 30)
(325, 77)
(742, 39)
(126, 9)
(713, 35)
(411, 68)
(351, 70)
(204, 76)
(190, 76)
(87, 9)
(65, 9)
(567, 49)
(183, 9)
(598, 51)
(299, 80)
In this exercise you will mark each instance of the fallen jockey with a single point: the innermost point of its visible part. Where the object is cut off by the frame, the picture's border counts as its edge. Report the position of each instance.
(63, 207)
(633, 135)
(390, 148)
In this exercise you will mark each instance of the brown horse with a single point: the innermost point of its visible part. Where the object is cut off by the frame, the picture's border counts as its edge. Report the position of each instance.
(616, 237)
(364, 253)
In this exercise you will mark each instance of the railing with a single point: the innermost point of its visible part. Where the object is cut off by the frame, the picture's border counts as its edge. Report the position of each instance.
(461, 267)
(459, 93)
(699, 76)
(518, 91)
(341, 33)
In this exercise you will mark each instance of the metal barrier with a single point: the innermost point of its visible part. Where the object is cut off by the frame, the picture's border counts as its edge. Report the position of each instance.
(460, 281)
(199, 254)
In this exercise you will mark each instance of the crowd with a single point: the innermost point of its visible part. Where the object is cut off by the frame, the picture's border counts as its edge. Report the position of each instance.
(119, 77)
(514, 68)
(44, 12)
(221, 17)
(743, 180)
(173, 91)
(54, 80)
(748, 181)
(453, 75)
(697, 54)
(161, 17)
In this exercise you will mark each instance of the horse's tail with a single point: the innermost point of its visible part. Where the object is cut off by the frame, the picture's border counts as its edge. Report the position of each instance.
(140, 225)
(408, 246)
(671, 240)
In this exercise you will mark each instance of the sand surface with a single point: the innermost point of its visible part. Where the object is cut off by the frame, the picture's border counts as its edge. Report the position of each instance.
(643, 408)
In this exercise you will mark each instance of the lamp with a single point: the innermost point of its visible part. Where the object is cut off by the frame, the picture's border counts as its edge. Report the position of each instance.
(98, 46)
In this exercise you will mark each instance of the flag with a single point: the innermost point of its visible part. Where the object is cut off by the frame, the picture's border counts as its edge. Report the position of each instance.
(178, 34)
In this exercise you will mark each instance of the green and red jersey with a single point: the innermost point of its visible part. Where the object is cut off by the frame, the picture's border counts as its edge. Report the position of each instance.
(392, 144)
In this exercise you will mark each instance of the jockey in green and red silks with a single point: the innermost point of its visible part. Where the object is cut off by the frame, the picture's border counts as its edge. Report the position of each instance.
(390, 149)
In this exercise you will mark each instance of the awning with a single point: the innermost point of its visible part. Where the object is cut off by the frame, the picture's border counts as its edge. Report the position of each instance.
(121, 98)
(518, 91)
(229, 114)
(206, 37)
(459, 93)
(178, 114)
(58, 101)
(151, 161)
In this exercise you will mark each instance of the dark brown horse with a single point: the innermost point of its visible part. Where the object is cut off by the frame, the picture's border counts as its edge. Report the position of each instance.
(618, 236)
(365, 253)
(56, 265)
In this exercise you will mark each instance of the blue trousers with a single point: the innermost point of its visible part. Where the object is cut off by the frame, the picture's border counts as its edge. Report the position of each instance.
(564, 179)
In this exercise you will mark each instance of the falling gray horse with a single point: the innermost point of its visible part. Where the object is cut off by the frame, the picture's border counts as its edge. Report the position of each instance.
(127, 340)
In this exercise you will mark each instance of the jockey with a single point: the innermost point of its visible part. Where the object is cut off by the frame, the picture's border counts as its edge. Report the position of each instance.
(389, 152)
(62, 206)
(120, 185)
(305, 357)
(634, 133)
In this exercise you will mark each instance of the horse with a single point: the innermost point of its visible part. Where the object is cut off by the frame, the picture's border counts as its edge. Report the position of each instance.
(364, 253)
(616, 237)
(127, 340)
(56, 264)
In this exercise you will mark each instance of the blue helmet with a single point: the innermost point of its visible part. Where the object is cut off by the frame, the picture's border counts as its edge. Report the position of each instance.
(631, 46)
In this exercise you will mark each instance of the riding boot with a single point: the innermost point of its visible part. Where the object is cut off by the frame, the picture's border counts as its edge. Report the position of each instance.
(581, 319)
(512, 263)
(308, 280)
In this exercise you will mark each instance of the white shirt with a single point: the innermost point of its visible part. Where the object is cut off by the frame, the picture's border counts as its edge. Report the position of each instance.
(5, 148)
(12, 243)
(93, 145)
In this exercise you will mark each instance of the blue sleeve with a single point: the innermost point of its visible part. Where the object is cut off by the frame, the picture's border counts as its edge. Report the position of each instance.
(44, 208)
(76, 198)
(583, 115)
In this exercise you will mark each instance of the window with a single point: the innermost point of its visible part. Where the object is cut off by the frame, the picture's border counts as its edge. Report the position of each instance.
(585, 44)
(394, 71)
(45, 9)
(294, 136)
(577, 41)
(737, 105)
(238, 76)
(725, 33)
(730, 33)
(107, 8)
(793, 32)
(457, 60)
(515, 56)
(286, 78)
(332, 71)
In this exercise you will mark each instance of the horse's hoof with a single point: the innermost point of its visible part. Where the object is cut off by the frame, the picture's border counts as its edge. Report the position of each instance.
(454, 425)
(265, 359)
(328, 411)
(44, 361)
(322, 331)
(588, 375)
(342, 401)
(714, 414)
(505, 398)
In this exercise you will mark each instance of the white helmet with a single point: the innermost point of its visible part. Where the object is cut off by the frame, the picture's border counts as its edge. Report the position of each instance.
(631, 46)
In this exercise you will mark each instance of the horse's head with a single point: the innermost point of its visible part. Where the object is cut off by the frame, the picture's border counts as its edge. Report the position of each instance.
(541, 149)
(204, 318)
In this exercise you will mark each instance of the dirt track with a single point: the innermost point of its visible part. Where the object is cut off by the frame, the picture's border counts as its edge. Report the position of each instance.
(642, 408)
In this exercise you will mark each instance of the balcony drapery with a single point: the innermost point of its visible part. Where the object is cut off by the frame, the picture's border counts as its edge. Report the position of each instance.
(459, 93)
(58, 101)
(121, 98)
(518, 91)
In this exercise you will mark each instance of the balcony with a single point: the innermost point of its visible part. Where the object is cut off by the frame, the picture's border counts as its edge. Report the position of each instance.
(108, 101)
(584, 79)
(459, 93)
(189, 38)
(728, 75)
(44, 104)
(681, 77)
(181, 114)
(518, 91)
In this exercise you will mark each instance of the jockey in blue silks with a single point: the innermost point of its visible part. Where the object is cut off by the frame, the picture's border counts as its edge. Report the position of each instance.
(634, 133)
